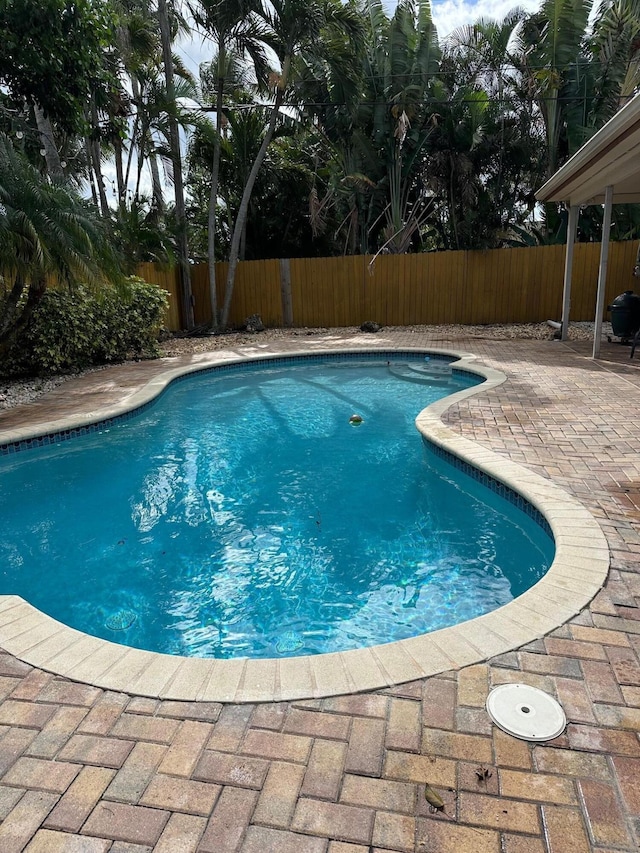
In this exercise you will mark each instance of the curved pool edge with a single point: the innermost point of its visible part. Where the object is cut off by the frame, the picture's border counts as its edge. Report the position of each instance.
(577, 573)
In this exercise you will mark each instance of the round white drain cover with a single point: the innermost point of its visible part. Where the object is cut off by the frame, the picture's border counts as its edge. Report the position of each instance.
(526, 712)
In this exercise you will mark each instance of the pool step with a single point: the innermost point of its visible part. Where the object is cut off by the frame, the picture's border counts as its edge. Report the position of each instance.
(436, 373)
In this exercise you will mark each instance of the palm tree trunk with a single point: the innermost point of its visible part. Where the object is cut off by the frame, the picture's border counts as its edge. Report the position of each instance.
(174, 140)
(452, 205)
(142, 145)
(94, 194)
(15, 320)
(117, 145)
(246, 198)
(97, 168)
(243, 241)
(213, 198)
(10, 306)
(132, 143)
(501, 152)
(136, 194)
(95, 156)
(158, 200)
(51, 156)
(135, 88)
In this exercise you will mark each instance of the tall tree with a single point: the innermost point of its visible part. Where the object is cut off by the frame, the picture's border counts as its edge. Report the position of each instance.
(377, 145)
(52, 57)
(176, 158)
(615, 44)
(554, 63)
(137, 42)
(484, 56)
(298, 29)
(484, 157)
(237, 31)
(401, 72)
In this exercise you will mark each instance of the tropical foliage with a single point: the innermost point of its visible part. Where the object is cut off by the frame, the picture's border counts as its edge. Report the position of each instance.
(73, 329)
(316, 127)
(47, 234)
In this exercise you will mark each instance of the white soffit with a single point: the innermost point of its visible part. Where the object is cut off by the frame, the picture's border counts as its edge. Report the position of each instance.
(610, 158)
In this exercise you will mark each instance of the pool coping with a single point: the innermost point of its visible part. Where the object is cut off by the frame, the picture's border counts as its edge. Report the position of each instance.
(577, 573)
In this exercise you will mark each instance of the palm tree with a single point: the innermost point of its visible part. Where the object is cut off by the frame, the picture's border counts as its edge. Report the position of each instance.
(483, 54)
(377, 147)
(155, 111)
(278, 216)
(578, 79)
(327, 29)
(138, 47)
(95, 151)
(402, 68)
(615, 44)
(46, 231)
(454, 171)
(487, 152)
(554, 62)
(176, 157)
(140, 235)
(236, 29)
(484, 51)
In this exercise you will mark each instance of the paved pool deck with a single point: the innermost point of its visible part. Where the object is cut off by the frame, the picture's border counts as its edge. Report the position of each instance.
(88, 769)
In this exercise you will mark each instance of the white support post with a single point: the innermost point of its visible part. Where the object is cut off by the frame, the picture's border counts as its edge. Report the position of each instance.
(602, 272)
(572, 227)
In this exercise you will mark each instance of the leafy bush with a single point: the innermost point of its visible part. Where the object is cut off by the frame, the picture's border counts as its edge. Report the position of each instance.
(74, 329)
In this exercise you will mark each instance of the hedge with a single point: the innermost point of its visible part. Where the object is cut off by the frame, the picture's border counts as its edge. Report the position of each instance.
(74, 329)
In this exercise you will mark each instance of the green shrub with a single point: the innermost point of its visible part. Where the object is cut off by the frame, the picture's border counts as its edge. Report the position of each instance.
(74, 329)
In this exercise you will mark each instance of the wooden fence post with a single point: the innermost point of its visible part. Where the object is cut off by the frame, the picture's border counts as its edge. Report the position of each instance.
(285, 291)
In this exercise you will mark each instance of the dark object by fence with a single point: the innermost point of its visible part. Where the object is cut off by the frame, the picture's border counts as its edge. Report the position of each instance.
(254, 324)
(625, 315)
(370, 326)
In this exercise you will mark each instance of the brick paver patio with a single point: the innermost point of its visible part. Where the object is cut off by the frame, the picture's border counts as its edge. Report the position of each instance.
(88, 771)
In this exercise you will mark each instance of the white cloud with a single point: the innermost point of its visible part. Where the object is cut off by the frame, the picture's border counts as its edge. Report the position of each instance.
(449, 15)
(194, 51)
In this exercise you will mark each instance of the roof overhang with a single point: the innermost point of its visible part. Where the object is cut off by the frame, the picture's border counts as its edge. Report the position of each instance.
(610, 158)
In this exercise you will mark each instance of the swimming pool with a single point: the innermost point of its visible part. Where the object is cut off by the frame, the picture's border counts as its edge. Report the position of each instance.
(577, 573)
(244, 515)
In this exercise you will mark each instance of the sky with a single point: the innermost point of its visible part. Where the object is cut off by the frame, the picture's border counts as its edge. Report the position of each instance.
(448, 15)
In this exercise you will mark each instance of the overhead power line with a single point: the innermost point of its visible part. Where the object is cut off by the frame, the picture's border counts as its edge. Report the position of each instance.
(393, 103)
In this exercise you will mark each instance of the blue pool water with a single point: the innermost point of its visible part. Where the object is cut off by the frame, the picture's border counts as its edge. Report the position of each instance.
(242, 514)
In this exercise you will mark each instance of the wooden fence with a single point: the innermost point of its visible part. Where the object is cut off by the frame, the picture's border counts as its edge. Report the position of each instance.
(498, 286)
